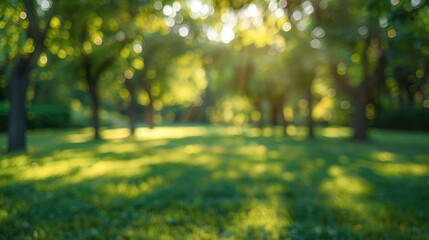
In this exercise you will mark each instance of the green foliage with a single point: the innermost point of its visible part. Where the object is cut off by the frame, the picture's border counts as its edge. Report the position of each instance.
(48, 116)
(411, 119)
(215, 183)
(40, 116)
(4, 112)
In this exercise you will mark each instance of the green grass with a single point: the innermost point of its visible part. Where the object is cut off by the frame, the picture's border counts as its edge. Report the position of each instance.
(216, 183)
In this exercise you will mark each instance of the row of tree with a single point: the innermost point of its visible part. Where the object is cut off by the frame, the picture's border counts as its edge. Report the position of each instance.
(269, 57)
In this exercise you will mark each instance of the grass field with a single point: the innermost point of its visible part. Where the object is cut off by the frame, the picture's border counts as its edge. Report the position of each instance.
(201, 182)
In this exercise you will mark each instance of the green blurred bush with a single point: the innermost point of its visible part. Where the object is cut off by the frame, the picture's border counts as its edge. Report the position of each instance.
(410, 119)
(4, 111)
(39, 116)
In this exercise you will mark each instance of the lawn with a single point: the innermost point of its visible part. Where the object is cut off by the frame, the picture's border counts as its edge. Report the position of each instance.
(211, 182)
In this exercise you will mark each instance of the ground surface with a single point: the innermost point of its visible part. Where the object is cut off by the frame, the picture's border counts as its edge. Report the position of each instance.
(216, 183)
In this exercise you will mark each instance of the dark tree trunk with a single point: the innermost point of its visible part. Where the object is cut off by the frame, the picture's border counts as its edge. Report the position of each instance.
(150, 111)
(95, 106)
(274, 114)
(360, 123)
(206, 105)
(284, 121)
(132, 112)
(92, 78)
(132, 108)
(149, 115)
(310, 120)
(20, 79)
(18, 114)
(285, 124)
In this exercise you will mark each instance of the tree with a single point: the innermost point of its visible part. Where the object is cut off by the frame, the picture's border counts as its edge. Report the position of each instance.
(97, 37)
(24, 62)
(353, 40)
(159, 53)
(361, 49)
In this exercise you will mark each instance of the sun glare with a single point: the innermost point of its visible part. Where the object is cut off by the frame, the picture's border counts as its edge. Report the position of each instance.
(227, 34)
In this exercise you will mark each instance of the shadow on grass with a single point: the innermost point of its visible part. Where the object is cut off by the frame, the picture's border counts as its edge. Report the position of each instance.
(236, 186)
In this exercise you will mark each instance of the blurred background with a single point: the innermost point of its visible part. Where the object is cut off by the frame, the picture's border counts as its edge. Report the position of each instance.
(120, 63)
(203, 114)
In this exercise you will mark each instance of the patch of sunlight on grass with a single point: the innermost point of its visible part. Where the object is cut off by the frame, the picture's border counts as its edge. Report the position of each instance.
(14, 161)
(53, 169)
(254, 132)
(84, 154)
(274, 154)
(177, 132)
(342, 182)
(336, 132)
(81, 168)
(115, 168)
(259, 169)
(207, 160)
(272, 131)
(384, 156)
(401, 170)
(263, 218)
(193, 149)
(348, 194)
(126, 168)
(78, 137)
(119, 133)
(133, 190)
(335, 171)
(229, 131)
(295, 131)
(288, 176)
(129, 147)
(254, 149)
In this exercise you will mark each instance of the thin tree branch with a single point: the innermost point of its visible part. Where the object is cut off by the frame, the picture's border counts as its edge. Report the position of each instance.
(33, 29)
(107, 63)
(51, 15)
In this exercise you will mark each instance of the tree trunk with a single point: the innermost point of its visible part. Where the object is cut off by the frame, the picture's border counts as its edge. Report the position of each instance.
(95, 106)
(18, 114)
(20, 80)
(285, 124)
(360, 122)
(132, 112)
(206, 105)
(258, 106)
(149, 115)
(284, 121)
(310, 120)
(132, 107)
(274, 114)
